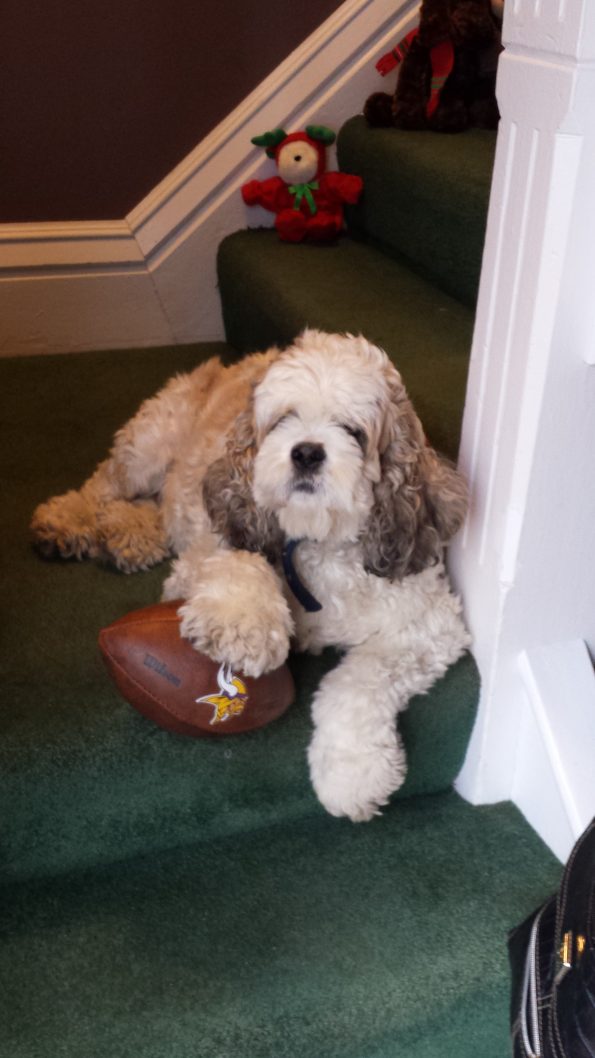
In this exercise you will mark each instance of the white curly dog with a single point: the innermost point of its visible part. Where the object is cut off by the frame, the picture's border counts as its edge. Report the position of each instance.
(302, 501)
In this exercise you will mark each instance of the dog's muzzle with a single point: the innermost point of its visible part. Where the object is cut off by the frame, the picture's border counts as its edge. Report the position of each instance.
(307, 459)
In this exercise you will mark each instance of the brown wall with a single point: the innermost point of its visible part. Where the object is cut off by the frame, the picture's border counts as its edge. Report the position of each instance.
(102, 98)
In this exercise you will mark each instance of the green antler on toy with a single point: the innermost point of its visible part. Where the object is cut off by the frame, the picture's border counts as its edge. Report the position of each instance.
(269, 140)
(320, 132)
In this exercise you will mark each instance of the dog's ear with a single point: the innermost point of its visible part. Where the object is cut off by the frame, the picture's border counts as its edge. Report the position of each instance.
(228, 497)
(420, 500)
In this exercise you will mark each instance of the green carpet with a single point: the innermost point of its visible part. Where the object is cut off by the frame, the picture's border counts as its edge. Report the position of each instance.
(352, 287)
(320, 939)
(425, 198)
(85, 779)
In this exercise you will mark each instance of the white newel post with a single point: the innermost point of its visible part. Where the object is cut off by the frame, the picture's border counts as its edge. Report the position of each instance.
(525, 564)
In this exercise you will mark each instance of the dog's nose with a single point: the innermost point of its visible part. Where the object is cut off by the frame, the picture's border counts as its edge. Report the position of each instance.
(307, 455)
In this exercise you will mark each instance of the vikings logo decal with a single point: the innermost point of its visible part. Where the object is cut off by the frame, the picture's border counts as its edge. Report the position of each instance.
(232, 698)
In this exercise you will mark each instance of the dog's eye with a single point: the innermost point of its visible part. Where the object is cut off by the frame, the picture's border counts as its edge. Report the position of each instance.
(282, 418)
(357, 434)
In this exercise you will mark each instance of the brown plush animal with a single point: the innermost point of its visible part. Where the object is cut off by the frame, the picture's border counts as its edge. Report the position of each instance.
(447, 75)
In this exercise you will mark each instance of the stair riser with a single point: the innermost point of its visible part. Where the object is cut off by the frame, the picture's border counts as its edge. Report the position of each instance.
(425, 199)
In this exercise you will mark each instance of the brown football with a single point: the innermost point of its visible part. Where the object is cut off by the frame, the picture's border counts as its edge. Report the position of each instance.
(168, 681)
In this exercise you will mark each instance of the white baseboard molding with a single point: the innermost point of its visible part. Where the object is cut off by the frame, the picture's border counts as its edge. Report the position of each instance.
(69, 312)
(554, 783)
(150, 278)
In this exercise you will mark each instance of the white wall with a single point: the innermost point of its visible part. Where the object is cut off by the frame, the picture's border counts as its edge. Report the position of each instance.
(525, 563)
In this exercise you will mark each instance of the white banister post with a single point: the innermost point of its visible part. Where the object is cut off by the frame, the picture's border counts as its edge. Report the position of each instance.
(538, 274)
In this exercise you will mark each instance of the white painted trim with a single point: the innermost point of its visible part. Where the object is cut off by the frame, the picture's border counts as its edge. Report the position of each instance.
(554, 781)
(67, 245)
(165, 249)
(523, 564)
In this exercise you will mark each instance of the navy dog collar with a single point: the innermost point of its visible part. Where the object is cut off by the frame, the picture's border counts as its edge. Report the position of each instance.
(303, 596)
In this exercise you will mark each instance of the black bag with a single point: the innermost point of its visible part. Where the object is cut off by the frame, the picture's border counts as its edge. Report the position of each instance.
(552, 959)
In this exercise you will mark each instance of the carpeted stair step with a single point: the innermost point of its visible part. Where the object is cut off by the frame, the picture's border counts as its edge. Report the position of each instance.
(350, 286)
(314, 939)
(84, 779)
(425, 198)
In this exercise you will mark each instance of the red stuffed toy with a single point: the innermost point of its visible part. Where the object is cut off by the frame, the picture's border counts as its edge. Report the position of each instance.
(307, 201)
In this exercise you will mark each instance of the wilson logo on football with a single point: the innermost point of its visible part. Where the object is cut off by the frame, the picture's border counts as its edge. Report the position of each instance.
(232, 698)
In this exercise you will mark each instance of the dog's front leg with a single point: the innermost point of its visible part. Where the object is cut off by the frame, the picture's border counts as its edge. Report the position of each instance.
(356, 756)
(234, 609)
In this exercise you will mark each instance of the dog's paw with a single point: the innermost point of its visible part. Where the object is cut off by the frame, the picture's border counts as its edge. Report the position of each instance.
(252, 641)
(131, 535)
(65, 527)
(355, 781)
(234, 610)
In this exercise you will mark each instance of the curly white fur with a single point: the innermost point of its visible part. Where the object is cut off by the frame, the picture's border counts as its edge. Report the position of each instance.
(318, 443)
